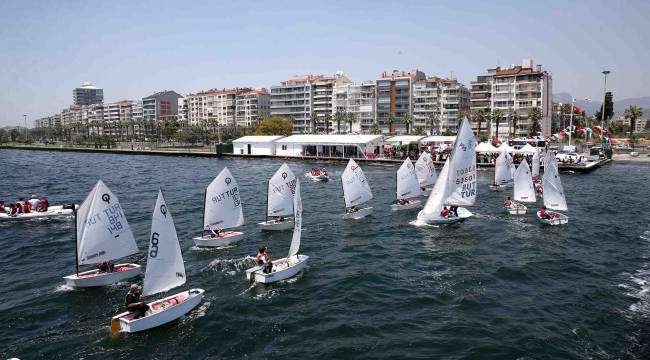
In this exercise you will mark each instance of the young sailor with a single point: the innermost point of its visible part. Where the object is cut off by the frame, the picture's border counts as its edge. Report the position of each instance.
(134, 303)
(262, 258)
(444, 213)
(508, 202)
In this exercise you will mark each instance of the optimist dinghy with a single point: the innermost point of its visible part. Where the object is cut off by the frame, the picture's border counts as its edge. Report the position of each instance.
(56, 211)
(426, 173)
(165, 271)
(553, 194)
(222, 209)
(356, 191)
(407, 186)
(102, 234)
(456, 184)
(503, 171)
(294, 263)
(279, 201)
(524, 190)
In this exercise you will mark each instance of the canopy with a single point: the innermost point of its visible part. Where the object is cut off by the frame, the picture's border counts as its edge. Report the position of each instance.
(504, 145)
(223, 207)
(356, 189)
(280, 193)
(407, 181)
(103, 234)
(297, 222)
(486, 147)
(165, 268)
(527, 149)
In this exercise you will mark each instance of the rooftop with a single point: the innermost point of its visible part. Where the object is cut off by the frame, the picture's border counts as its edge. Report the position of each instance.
(330, 139)
(257, 139)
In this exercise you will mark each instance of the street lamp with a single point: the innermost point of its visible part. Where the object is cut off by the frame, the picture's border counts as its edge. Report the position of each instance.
(605, 73)
(25, 122)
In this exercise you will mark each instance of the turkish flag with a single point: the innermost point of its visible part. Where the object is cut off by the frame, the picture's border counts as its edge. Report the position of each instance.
(576, 110)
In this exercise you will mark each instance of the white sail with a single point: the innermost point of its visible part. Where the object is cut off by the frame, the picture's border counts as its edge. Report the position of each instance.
(280, 194)
(103, 233)
(456, 183)
(536, 163)
(511, 163)
(425, 170)
(524, 189)
(552, 186)
(407, 181)
(165, 268)
(297, 222)
(502, 172)
(356, 189)
(223, 207)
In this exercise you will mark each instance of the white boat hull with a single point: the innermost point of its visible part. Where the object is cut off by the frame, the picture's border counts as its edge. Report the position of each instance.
(95, 277)
(497, 187)
(411, 205)
(515, 209)
(462, 215)
(224, 238)
(321, 177)
(559, 219)
(274, 225)
(359, 214)
(160, 312)
(52, 212)
(283, 269)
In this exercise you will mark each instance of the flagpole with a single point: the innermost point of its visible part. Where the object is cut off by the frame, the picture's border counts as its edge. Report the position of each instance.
(571, 120)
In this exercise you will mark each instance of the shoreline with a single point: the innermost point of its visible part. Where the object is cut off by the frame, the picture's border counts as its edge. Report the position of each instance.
(187, 152)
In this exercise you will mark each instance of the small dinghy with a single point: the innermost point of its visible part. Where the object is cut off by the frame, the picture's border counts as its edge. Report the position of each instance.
(407, 186)
(356, 191)
(503, 171)
(456, 184)
(523, 191)
(165, 271)
(317, 174)
(222, 209)
(294, 263)
(102, 235)
(279, 200)
(553, 194)
(426, 173)
(56, 211)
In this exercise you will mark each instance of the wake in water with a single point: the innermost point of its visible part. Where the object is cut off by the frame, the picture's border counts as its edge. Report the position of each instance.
(230, 266)
(640, 286)
(211, 248)
(62, 288)
(419, 223)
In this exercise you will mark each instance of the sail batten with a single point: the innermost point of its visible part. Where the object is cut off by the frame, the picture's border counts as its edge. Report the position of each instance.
(223, 207)
(103, 232)
(356, 189)
(408, 185)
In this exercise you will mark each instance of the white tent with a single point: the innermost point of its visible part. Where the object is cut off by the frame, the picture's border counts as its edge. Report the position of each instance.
(527, 149)
(504, 145)
(486, 147)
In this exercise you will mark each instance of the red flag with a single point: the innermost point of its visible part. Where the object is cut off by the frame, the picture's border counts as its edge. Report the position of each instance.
(576, 110)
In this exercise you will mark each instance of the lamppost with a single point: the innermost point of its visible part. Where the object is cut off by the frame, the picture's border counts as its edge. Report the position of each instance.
(605, 73)
(571, 120)
(25, 123)
(587, 121)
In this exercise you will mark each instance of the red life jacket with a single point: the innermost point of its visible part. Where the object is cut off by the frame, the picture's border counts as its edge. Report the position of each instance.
(259, 258)
(27, 208)
(444, 213)
(542, 213)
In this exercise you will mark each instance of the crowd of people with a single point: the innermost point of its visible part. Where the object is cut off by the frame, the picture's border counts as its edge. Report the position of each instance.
(23, 206)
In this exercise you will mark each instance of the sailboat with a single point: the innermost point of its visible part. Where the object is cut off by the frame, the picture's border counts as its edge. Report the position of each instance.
(456, 184)
(426, 172)
(222, 209)
(407, 186)
(102, 235)
(537, 182)
(523, 191)
(503, 170)
(279, 201)
(165, 271)
(553, 194)
(356, 191)
(294, 263)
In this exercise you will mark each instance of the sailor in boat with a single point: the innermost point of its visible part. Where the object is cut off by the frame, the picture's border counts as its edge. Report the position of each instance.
(279, 219)
(352, 209)
(16, 209)
(27, 208)
(544, 215)
(106, 267)
(444, 213)
(2, 207)
(262, 258)
(215, 232)
(43, 205)
(134, 303)
(21, 201)
(34, 202)
(538, 189)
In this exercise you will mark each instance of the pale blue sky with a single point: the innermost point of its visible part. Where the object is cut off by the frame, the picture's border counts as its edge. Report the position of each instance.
(132, 48)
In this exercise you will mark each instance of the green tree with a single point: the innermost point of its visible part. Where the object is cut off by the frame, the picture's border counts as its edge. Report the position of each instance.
(497, 116)
(375, 129)
(4, 136)
(633, 113)
(408, 121)
(434, 121)
(390, 119)
(312, 121)
(339, 118)
(352, 119)
(514, 118)
(275, 126)
(534, 116)
(609, 108)
(328, 119)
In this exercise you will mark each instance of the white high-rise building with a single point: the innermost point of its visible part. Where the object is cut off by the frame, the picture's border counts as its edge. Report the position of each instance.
(438, 104)
(357, 99)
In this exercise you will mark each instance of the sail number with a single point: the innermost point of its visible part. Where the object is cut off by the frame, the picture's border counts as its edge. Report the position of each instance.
(153, 249)
(115, 217)
(230, 193)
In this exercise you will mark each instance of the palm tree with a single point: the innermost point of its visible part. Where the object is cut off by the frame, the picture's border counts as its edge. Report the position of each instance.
(514, 118)
(633, 113)
(390, 119)
(352, 119)
(431, 118)
(497, 116)
(312, 120)
(328, 118)
(338, 117)
(534, 116)
(408, 120)
(565, 110)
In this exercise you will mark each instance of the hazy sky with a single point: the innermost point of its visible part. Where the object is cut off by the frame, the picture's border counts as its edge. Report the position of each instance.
(133, 48)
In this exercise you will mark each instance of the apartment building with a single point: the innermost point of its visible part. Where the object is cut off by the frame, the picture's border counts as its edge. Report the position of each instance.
(357, 99)
(394, 98)
(439, 104)
(227, 107)
(161, 106)
(515, 89)
(252, 105)
(87, 94)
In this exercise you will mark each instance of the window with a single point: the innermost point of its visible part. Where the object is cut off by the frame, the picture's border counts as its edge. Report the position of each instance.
(284, 147)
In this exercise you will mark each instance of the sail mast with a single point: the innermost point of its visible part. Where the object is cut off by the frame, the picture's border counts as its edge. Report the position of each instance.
(266, 214)
(205, 197)
(76, 241)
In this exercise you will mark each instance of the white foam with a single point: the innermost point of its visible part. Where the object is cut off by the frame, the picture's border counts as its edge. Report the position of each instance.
(63, 288)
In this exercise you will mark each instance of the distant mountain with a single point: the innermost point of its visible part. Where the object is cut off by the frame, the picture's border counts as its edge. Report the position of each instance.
(619, 104)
